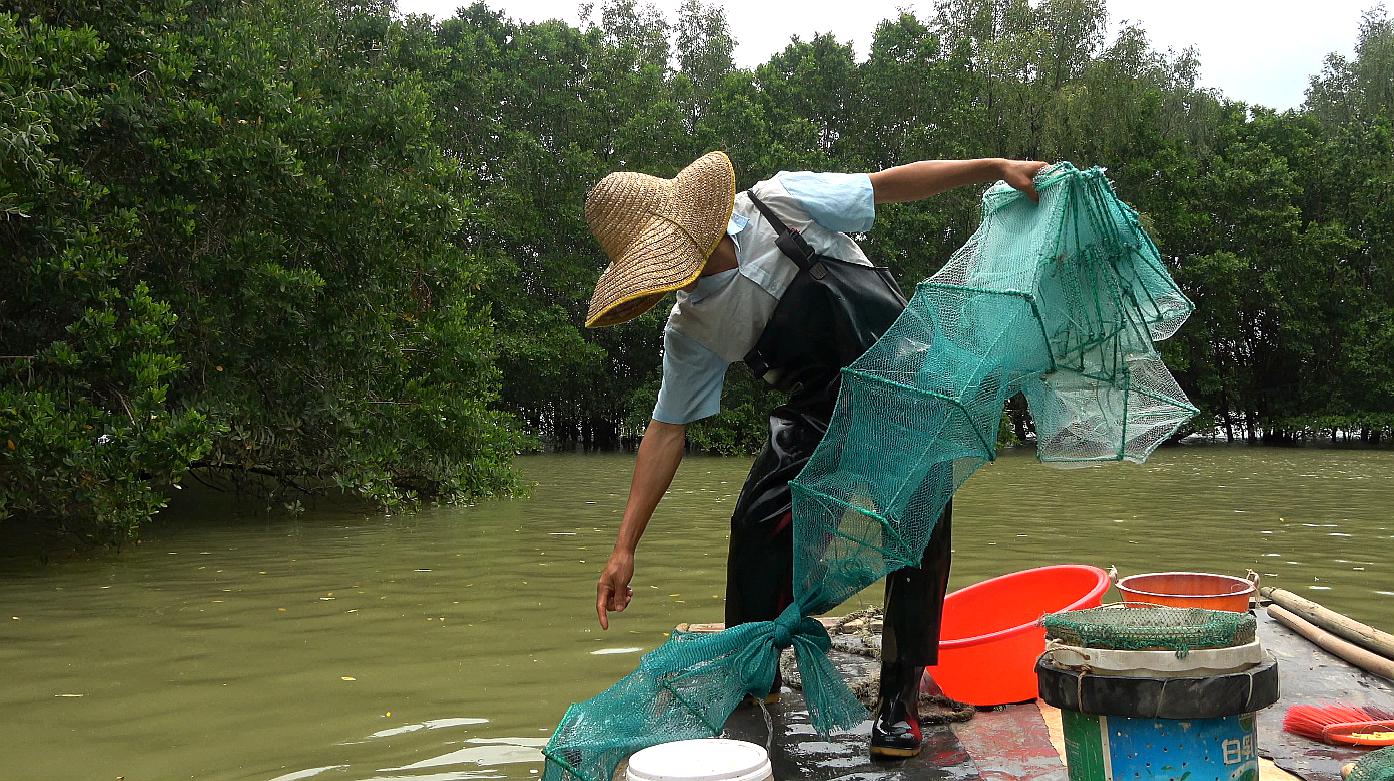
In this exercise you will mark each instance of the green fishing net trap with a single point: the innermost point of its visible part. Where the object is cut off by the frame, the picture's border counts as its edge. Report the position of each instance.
(1062, 301)
(1375, 766)
(1125, 628)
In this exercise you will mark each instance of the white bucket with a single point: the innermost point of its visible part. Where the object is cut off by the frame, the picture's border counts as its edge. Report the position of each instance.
(712, 759)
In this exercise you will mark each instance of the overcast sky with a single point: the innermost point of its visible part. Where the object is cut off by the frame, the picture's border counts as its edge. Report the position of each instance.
(1256, 51)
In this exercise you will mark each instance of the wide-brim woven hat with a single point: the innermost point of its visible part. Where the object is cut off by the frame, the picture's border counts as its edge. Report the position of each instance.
(658, 233)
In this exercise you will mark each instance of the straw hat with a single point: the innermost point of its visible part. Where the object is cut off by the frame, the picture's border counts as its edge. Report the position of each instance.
(657, 232)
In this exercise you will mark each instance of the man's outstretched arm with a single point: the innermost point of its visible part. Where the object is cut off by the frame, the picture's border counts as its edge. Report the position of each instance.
(915, 181)
(660, 452)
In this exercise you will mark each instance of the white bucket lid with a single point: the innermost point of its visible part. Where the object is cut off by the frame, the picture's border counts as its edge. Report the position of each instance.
(1107, 661)
(711, 759)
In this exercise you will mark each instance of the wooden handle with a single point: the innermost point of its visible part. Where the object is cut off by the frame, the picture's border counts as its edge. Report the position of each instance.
(1360, 657)
(1362, 635)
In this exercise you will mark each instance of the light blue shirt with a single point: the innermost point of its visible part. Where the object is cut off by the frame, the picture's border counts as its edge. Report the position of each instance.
(718, 321)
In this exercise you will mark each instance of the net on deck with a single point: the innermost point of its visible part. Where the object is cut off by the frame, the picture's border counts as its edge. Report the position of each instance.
(1062, 301)
(1375, 766)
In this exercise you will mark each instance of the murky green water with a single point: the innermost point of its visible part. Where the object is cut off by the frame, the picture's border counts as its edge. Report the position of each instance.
(444, 645)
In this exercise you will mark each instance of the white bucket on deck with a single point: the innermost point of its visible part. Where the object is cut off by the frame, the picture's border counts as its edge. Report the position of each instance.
(712, 759)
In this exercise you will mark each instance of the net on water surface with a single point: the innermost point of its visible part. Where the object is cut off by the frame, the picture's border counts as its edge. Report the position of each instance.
(1060, 300)
(1144, 628)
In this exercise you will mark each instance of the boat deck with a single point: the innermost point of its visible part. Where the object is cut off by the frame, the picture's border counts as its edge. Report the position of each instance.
(1024, 741)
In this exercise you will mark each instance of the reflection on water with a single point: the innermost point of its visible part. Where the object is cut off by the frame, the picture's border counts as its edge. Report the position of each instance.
(499, 751)
(309, 773)
(349, 645)
(432, 724)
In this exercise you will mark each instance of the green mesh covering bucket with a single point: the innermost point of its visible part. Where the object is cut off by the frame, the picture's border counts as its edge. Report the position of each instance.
(1062, 301)
(1150, 628)
(1157, 692)
(1375, 766)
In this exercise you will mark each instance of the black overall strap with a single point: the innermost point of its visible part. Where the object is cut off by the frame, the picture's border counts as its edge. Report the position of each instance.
(790, 241)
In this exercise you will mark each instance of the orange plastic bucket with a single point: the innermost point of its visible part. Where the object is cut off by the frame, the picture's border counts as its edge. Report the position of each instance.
(991, 635)
(1188, 589)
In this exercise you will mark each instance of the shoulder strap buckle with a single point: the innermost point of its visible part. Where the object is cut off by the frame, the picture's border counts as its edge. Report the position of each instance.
(793, 244)
(790, 241)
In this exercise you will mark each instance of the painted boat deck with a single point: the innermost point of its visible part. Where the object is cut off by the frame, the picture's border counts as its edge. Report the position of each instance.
(1308, 674)
(1024, 741)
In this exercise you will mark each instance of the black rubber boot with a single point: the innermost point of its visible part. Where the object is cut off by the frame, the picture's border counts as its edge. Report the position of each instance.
(895, 729)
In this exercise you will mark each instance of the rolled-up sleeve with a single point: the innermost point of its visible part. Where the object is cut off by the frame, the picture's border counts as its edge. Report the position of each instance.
(840, 202)
(692, 380)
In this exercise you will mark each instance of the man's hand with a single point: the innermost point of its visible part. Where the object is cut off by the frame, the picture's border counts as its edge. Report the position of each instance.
(660, 451)
(612, 592)
(914, 181)
(1020, 173)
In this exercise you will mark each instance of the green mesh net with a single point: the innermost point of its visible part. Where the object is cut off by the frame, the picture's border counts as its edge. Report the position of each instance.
(1375, 766)
(1061, 300)
(1145, 628)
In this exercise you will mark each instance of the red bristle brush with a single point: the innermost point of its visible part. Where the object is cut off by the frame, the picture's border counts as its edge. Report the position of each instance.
(1341, 724)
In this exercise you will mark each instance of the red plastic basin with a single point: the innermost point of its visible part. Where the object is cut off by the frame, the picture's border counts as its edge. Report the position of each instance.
(1188, 589)
(991, 637)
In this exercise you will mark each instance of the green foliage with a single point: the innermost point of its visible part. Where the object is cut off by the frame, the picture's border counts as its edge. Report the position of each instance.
(235, 247)
(324, 243)
(743, 425)
(1277, 224)
(86, 423)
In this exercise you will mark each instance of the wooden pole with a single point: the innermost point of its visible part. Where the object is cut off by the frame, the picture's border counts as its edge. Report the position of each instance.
(1367, 637)
(1360, 657)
